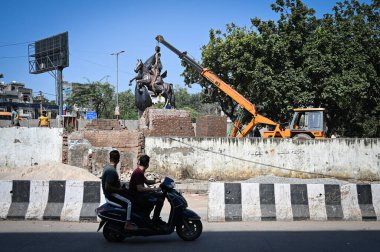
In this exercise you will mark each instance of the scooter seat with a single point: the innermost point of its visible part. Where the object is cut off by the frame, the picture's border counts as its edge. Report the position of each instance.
(113, 203)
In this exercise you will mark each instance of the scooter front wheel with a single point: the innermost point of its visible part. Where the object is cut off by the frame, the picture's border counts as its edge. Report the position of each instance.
(189, 230)
(111, 233)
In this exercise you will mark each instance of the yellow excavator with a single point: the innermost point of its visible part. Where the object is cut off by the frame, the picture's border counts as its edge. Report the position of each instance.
(307, 123)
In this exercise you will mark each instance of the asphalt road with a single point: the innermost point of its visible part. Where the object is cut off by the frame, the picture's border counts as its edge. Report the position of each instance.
(254, 236)
(231, 236)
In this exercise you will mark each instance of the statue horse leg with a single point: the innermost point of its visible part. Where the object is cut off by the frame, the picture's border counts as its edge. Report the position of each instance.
(168, 94)
(172, 96)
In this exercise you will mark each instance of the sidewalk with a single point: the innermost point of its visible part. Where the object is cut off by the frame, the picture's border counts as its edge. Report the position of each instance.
(193, 187)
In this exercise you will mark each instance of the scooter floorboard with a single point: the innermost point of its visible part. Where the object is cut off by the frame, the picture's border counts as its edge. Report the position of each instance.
(149, 232)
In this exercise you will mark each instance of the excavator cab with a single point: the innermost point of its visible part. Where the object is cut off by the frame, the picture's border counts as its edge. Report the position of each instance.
(308, 123)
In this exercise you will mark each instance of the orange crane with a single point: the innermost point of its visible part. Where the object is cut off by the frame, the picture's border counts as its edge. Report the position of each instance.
(307, 123)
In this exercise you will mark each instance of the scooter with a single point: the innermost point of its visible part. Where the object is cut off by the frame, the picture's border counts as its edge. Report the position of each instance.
(186, 222)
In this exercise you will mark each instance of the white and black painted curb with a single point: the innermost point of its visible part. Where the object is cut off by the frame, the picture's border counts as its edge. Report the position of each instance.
(50, 200)
(77, 201)
(291, 202)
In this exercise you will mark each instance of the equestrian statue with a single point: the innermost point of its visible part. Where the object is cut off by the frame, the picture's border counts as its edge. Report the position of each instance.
(149, 78)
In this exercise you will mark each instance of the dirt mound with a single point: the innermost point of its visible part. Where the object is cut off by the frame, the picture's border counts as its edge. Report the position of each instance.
(52, 171)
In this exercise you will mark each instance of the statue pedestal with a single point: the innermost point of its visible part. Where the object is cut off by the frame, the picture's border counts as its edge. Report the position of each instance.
(166, 122)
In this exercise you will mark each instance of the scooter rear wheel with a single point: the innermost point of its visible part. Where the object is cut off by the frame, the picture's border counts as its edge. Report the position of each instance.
(111, 234)
(189, 230)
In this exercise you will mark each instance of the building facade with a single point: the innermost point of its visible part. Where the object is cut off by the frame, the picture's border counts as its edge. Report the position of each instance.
(16, 95)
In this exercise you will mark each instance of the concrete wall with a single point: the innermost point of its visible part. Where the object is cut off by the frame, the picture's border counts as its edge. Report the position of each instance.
(29, 123)
(26, 146)
(232, 159)
(130, 124)
(34, 123)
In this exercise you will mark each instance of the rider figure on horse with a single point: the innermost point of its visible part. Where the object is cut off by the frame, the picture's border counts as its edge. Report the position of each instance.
(155, 70)
(149, 75)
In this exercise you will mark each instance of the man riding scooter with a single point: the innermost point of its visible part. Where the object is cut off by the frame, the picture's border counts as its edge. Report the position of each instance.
(112, 189)
(147, 197)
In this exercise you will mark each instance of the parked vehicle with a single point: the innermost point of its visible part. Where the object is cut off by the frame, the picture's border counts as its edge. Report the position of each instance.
(5, 115)
(186, 222)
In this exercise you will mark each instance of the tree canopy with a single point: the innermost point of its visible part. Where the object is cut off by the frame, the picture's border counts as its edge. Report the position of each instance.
(194, 103)
(301, 61)
(94, 95)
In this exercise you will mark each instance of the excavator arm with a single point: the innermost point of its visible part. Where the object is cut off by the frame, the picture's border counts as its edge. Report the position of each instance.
(227, 89)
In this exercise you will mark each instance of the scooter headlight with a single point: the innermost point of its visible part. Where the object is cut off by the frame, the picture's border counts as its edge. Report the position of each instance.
(168, 183)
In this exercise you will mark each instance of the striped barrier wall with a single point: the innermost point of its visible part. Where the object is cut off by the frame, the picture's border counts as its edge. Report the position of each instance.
(292, 202)
(50, 200)
(77, 200)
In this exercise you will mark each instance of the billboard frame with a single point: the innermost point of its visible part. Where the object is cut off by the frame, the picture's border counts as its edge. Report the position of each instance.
(51, 55)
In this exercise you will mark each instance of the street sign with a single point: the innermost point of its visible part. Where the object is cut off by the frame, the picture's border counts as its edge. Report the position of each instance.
(90, 115)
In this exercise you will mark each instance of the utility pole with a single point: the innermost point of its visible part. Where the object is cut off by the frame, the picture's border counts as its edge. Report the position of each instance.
(40, 102)
(117, 112)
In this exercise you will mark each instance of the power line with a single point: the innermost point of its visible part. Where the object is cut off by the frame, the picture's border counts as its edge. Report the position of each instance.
(90, 52)
(15, 44)
(92, 62)
(101, 65)
(13, 57)
(49, 94)
(44, 93)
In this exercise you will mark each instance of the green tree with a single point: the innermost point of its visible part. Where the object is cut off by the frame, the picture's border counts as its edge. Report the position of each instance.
(185, 99)
(300, 61)
(349, 44)
(128, 110)
(194, 103)
(188, 102)
(96, 96)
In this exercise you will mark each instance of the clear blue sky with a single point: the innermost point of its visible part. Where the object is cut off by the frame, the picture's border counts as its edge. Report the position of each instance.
(98, 28)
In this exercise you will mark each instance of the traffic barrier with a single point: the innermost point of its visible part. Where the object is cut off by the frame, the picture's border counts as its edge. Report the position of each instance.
(292, 202)
(60, 200)
(77, 200)
(50, 200)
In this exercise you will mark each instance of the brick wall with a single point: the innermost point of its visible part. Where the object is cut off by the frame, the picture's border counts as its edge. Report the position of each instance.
(101, 136)
(101, 142)
(103, 124)
(211, 126)
(166, 122)
(123, 139)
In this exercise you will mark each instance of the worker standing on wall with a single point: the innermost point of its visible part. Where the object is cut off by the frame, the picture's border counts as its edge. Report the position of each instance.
(43, 120)
(15, 119)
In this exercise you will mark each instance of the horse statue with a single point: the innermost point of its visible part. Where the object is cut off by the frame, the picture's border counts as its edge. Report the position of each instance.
(148, 78)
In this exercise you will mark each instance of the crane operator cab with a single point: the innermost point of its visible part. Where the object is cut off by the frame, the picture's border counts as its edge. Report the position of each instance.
(308, 123)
